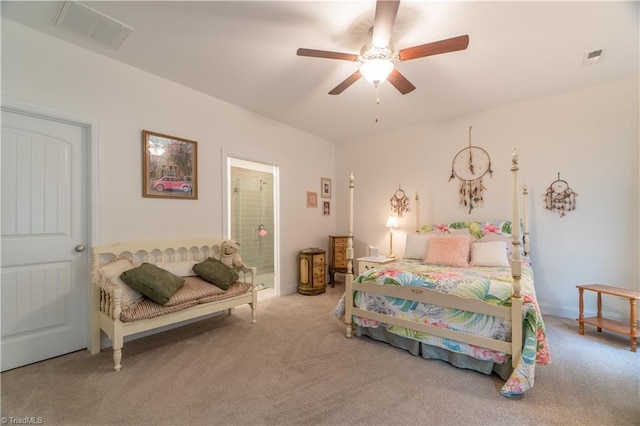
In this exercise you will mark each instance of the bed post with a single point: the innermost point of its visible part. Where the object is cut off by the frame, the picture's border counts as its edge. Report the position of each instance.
(348, 294)
(515, 225)
(516, 265)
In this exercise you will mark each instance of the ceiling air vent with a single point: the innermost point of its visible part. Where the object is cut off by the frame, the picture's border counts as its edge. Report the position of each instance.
(592, 57)
(90, 23)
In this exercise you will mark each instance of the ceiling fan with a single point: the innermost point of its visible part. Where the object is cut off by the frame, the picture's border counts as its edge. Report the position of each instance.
(377, 57)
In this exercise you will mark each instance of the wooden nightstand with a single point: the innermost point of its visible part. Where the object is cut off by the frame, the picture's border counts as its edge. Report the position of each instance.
(311, 267)
(365, 263)
(337, 256)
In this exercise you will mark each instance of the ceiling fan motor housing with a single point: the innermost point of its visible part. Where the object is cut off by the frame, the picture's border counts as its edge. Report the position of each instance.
(370, 51)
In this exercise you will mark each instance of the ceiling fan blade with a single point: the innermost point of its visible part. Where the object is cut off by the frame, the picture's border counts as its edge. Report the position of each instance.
(325, 54)
(435, 48)
(346, 83)
(400, 82)
(386, 12)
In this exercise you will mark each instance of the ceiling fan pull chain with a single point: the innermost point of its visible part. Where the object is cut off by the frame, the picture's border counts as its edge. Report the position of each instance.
(377, 103)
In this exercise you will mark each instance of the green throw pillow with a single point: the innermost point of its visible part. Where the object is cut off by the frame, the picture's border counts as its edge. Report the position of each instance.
(216, 272)
(156, 283)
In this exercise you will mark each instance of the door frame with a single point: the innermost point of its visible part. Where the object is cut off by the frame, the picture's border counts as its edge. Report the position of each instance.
(226, 206)
(94, 188)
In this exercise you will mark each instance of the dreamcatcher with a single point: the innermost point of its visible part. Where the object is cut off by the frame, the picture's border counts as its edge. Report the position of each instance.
(399, 202)
(559, 197)
(470, 165)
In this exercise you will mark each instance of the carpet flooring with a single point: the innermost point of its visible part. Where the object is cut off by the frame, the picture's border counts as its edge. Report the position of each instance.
(295, 367)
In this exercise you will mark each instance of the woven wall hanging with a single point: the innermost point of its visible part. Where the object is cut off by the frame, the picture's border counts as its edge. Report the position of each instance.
(560, 198)
(399, 202)
(470, 165)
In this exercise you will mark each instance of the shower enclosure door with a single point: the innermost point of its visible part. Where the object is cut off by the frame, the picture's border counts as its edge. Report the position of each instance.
(251, 220)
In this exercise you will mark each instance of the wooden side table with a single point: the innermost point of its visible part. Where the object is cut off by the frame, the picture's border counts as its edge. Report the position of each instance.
(366, 263)
(598, 321)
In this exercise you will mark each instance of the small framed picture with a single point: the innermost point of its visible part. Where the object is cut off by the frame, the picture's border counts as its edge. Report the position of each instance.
(325, 184)
(169, 167)
(312, 199)
(326, 208)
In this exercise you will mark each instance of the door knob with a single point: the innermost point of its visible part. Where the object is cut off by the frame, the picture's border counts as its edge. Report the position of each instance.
(79, 248)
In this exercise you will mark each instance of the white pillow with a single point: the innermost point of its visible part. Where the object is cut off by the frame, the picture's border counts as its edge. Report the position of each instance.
(416, 246)
(490, 253)
(180, 269)
(111, 272)
(492, 236)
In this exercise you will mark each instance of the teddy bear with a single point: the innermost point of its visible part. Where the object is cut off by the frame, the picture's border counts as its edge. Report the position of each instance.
(229, 254)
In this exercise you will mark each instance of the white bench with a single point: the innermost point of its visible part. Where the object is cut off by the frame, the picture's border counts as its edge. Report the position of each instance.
(106, 304)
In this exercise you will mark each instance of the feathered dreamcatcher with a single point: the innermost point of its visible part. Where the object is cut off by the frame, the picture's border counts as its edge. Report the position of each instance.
(559, 197)
(399, 202)
(470, 165)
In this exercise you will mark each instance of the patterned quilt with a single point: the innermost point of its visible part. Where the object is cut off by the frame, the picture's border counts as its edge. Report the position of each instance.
(491, 284)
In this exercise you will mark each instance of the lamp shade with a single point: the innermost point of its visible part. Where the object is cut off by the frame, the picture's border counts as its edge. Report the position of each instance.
(376, 70)
(392, 222)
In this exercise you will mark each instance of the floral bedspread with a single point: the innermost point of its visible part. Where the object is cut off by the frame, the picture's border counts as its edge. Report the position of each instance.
(491, 284)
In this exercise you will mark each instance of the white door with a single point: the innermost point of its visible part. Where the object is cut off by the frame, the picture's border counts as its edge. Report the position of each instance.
(44, 266)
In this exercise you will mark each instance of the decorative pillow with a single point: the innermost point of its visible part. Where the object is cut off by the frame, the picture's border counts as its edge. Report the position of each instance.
(180, 269)
(476, 229)
(111, 273)
(490, 253)
(449, 250)
(454, 228)
(156, 283)
(504, 229)
(492, 236)
(416, 246)
(216, 272)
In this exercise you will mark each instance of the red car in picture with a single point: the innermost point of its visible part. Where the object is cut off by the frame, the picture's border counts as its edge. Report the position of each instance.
(170, 183)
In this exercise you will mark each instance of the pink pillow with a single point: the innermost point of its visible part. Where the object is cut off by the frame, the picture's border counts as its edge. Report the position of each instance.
(449, 250)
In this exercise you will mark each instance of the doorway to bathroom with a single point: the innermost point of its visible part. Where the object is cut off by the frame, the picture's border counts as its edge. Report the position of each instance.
(252, 218)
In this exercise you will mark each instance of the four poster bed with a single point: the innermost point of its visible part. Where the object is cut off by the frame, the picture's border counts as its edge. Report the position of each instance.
(480, 314)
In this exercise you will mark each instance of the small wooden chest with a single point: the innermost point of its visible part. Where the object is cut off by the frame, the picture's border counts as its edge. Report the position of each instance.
(311, 267)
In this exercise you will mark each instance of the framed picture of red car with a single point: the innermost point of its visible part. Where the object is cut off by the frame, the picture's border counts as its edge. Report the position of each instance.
(169, 167)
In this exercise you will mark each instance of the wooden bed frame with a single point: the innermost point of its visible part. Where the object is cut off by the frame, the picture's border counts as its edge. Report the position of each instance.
(513, 313)
(105, 307)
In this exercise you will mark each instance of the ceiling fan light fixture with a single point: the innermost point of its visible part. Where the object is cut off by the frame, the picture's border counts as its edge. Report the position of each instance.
(376, 70)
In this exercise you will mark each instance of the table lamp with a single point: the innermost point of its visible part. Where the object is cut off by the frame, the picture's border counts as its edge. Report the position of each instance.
(392, 222)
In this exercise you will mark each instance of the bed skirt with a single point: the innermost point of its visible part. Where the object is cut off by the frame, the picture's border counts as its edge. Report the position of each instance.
(433, 352)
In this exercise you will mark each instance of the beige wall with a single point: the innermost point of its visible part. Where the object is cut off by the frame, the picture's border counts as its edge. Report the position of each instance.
(590, 136)
(47, 72)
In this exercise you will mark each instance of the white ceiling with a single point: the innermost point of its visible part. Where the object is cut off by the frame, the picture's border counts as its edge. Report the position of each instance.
(245, 53)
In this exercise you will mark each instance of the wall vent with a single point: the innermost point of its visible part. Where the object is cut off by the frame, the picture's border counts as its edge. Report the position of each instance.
(592, 57)
(90, 23)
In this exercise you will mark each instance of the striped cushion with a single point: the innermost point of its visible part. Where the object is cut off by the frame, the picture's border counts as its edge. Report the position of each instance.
(194, 291)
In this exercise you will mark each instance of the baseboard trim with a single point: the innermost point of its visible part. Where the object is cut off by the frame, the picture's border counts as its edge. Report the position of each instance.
(564, 312)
